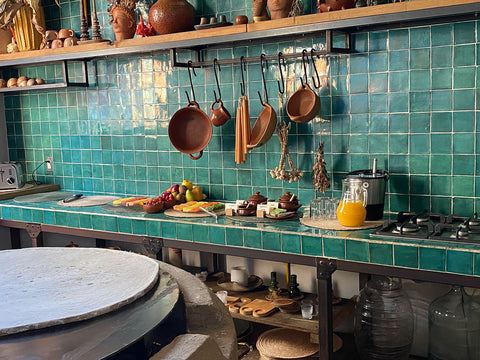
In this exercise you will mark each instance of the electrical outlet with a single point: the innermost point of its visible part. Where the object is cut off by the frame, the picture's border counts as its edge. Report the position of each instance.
(49, 162)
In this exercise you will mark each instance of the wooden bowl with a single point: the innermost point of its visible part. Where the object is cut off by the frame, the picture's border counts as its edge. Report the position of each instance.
(153, 208)
(168, 204)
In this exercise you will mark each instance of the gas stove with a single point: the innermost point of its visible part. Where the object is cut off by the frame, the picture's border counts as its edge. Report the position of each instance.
(432, 226)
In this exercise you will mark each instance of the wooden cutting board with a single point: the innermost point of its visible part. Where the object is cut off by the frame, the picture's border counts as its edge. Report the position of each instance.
(42, 197)
(28, 188)
(181, 214)
(89, 201)
(258, 308)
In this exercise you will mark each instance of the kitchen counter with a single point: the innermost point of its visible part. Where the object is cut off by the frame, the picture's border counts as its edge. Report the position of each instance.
(288, 241)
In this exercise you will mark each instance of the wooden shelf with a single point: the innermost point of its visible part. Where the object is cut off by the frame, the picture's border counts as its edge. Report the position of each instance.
(340, 312)
(351, 20)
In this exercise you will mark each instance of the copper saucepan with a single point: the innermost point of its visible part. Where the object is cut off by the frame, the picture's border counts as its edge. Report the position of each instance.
(190, 130)
(264, 127)
(303, 105)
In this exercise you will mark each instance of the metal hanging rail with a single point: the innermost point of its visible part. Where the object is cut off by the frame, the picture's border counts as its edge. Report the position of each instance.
(329, 49)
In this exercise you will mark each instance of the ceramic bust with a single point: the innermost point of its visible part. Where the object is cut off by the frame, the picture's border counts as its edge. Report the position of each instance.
(122, 16)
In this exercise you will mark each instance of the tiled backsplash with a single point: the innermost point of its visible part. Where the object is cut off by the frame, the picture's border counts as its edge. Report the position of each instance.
(407, 97)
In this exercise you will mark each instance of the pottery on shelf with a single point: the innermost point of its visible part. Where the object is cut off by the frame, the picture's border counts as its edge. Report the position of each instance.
(172, 16)
(333, 5)
(260, 9)
(279, 8)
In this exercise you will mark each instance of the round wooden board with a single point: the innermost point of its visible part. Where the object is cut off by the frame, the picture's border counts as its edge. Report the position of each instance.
(335, 225)
(92, 200)
(43, 287)
(181, 214)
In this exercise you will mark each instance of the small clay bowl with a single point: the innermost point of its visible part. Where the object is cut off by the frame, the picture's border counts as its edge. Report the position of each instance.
(246, 211)
(303, 105)
(169, 204)
(241, 19)
(153, 208)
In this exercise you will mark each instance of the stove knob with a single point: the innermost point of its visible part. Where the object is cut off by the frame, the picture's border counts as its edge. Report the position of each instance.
(10, 180)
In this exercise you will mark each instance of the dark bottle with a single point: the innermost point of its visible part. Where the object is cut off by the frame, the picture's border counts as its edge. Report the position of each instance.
(273, 283)
(293, 290)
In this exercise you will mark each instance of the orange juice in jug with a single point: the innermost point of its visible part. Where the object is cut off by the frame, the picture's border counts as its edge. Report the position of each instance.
(351, 211)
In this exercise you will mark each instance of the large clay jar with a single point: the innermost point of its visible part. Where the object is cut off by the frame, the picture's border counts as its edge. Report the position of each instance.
(279, 8)
(333, 5)
(171, 16)
(260, 8)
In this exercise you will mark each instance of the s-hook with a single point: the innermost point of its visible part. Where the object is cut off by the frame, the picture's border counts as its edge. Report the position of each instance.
(281, 90)
(243, 67)
(215, 65)
(304, 62)
(317, 81)
(190, 69)
(262, 61)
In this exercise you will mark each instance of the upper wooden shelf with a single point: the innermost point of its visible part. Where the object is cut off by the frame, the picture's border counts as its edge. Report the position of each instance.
(351, 20)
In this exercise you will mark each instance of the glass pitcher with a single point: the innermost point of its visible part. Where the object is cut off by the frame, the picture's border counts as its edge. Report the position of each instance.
(352, 208)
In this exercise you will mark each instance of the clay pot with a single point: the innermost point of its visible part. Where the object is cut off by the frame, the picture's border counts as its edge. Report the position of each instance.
(190, 130)
(303, 105)
(243, 210)
(286, 202)
(333, 5)
(279, 8)
(171, 16)
(256, 199)
(241, 19)
(260, 8)
(5, 39)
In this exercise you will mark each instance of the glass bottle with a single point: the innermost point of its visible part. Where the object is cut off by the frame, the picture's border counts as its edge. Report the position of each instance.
(293, 290)
(454, 326)
(273, 283)
(383, 321)
(351, 211)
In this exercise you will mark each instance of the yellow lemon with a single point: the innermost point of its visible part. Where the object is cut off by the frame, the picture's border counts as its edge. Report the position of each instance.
(188, 184)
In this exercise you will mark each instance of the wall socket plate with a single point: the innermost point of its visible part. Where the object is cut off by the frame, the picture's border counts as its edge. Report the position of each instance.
(49, 162)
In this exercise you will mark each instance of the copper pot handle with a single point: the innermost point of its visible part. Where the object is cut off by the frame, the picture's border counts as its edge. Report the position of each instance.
(196, 157)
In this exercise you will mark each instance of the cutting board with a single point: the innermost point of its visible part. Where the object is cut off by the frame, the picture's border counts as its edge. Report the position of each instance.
(89, 201)
(181, 214)
(258, 308)
(28, 188)
(42, 197)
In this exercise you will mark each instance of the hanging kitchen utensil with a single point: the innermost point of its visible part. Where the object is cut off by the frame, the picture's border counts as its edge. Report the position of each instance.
(267, 120)
(281, 89)
(242, 124)
(220, 115)
(321, 181)
(304, 104)
(279, 172)
(190, 128)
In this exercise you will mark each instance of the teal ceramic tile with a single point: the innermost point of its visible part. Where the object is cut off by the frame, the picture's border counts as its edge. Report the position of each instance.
(398, 123)
(420, 164)
(291, 243)
(200, 233)
(398, 102)
(73, 220)
(463, 143)
(378, 62)
(216, 235)
(463, 165)
(464, 32)
(271, 241)
(463, 206)
(419, 184)
(357, 250)
(441, 164)
(432, 259)
(420, 37)
(420, 58)
(441, 122)
(332, 247)
(125, 225)
(398, 143)
(398, 60)
(460, 262)
(358, 83)
(419, 144)
(48, 216)
(61, 218)
(377, 40)
(405, 256)
(234, 236)
(398, 39)
(420, 80)
(464, 55)
(463, 185)
(169, 230)
(464, 77)
(441, 185)
(37, 216)
(442, 34)
(154, 228)
(463, 121)
(381, 253)
(253, 239)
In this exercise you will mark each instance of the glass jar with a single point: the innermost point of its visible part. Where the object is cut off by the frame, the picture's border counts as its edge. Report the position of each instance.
(454, 326)
(383, 321)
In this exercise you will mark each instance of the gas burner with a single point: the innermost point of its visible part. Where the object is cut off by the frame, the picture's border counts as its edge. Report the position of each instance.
(462, 231)
(423, 217)
(406, 227)
(475, 221)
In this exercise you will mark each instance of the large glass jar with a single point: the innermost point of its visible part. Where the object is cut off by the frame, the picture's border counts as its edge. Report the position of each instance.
(454, 326)
(383, 321)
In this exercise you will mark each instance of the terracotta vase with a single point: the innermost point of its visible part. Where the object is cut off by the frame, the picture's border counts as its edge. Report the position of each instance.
(279, 8)
(171, 16)
(333, 5)
(124, 23)
(260, 8)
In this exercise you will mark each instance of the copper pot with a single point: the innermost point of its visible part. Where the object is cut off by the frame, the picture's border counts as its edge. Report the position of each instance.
(264, 127)
(190, 130)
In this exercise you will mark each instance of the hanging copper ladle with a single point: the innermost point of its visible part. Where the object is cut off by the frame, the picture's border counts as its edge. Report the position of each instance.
(220, 115)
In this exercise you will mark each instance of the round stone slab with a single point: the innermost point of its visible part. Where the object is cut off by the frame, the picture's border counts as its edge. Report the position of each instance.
(46, 286)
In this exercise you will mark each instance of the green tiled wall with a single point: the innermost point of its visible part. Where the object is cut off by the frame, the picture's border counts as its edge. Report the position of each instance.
(407, 97)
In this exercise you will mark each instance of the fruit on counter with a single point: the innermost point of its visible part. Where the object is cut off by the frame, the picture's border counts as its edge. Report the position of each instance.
(190, 196)
(198, 193)
(213, 206)
(153, 205)
(167, 196)
(119, 201)
(3, 83)
(180, 198)
(180, 207)
(192, 208)
(188, 184)
(182, 189)
(135, 201)
(174, 188)
(12, 82)
(277, 211)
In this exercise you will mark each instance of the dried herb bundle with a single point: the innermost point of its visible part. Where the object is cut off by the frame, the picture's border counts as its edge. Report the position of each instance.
(321, 181)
